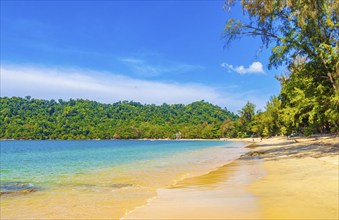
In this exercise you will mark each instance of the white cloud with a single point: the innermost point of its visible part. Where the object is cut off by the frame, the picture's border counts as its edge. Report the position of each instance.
(254, 68)
(143, 68)
(48, 83)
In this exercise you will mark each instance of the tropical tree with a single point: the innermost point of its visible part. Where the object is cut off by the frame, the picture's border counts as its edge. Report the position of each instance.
(303, 36)
(300, 28)
(246, 116)
(27, 118)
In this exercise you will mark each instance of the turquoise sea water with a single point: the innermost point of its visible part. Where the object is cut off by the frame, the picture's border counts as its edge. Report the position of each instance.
(26, 164)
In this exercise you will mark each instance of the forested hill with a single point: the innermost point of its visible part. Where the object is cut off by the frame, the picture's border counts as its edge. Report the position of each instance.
(26, 118)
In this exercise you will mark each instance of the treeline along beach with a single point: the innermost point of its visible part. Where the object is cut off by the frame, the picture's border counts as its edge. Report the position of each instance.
(29, 118)
(26, 118)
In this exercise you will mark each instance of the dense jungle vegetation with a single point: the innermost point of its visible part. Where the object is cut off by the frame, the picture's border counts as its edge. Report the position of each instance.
(26, 118)
(304, 38)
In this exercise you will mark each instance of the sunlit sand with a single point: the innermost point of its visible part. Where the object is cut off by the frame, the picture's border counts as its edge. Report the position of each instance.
(113, 192)
(219, 194)
(299, 187)
(277, 179)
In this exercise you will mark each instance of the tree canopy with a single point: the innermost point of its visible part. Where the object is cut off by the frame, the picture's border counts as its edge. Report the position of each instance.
(304, 37)
(27, 118)
(294, 28)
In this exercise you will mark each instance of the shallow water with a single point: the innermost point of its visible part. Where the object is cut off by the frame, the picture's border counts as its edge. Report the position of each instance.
(219, 194)
(99, 179)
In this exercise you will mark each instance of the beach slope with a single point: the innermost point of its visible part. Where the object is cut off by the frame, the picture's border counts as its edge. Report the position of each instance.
(277, 179)
(302, 180)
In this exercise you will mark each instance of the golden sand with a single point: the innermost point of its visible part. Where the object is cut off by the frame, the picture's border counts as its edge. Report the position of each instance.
(304, 188)
(278, 179)
(111, 193)
(302, 180)
(290, 179)
(220, 194)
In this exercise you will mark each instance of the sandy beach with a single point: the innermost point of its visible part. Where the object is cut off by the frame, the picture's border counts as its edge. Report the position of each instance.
(302, 180)
(112, 191)
(277, 179)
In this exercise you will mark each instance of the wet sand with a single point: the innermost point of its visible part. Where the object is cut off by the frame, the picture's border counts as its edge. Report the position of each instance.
(278, 179)
(112, 192)
(219, 194)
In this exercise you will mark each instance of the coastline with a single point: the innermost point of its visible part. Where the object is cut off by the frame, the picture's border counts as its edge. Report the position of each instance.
(204, 196)
(142, 139)
(115, 190)
(219, 194)
(277, 179)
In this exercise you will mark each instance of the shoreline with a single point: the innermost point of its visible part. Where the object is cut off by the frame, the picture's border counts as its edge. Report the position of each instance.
(277, 178)
(175, 183)
(170, 202)
(76, 197)
(143, 139)
(255, 140)
(205, 196)
(289, 180)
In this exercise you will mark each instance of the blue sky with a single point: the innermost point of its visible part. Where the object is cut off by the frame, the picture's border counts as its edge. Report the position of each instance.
(146, 51)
